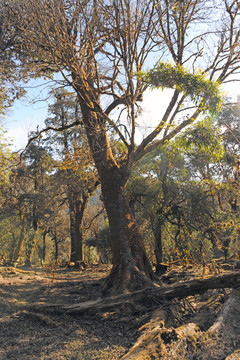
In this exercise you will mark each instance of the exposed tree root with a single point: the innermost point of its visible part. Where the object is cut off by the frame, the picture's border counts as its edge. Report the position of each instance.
(126, 277)
(153, 297)
(234, 356)
(221, 341)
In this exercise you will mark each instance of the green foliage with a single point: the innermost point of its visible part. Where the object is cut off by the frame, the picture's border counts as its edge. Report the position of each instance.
(6, 158)
(202, 91)
(202, 139)
(187, 193)
(8, 226)
(102, 242)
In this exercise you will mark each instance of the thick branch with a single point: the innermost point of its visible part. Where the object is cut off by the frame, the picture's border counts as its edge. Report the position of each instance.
(151, 147)
(141, 148)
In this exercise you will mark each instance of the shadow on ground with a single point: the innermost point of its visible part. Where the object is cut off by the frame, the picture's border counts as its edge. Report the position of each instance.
(25, 335)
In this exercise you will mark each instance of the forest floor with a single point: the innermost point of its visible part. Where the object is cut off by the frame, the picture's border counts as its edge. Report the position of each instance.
(26, 333)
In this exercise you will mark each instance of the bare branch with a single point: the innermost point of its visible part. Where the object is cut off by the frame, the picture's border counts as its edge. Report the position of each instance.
(58, 129)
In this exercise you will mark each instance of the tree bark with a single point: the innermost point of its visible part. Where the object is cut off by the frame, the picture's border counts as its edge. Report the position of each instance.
(29, 246)
(44, 246)
(131, 267)
(77, 208)
(55, 244)
(158, 248)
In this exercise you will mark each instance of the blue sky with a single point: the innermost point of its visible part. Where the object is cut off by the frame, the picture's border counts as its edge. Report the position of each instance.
(24, 116)
(27, 113)
(21, 119)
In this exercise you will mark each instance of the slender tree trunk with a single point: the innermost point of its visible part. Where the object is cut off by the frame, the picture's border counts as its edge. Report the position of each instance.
(99, 252)
(158, 248)
(56, 249)
(16, 247)
(19, 247)
(178, 243)
(54, 233)
(77, 208)
(29, 246)
(44, 245)
(55, 243)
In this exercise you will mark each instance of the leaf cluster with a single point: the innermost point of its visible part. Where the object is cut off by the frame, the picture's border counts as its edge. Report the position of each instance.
(202, 140)
(197, 86)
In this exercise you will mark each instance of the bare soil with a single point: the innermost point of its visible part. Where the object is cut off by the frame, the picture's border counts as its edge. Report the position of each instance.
(25, 334)
(30, 330)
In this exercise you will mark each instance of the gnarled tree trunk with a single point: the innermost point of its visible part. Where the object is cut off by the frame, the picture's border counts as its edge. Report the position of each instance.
(131, 267)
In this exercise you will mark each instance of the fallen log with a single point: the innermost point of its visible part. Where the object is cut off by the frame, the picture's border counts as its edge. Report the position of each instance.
(151, 297)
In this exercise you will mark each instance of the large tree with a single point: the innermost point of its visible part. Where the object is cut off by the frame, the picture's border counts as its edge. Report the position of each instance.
(98, 47)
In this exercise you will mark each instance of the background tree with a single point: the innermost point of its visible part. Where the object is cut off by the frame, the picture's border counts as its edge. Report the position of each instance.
(74, 174)
(186, 193)
(175, 206)
(7, 160)
(24, 201)
(11, 87)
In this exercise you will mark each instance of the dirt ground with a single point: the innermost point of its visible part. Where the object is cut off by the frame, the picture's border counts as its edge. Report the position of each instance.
(23, 335)
(29, 332)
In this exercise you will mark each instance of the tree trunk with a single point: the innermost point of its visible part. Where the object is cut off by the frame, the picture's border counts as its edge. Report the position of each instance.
(77, 208)
(44, 246)
(131, 267)
(55, 244)
(158, 248)
(17, 246)
(29, 246)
